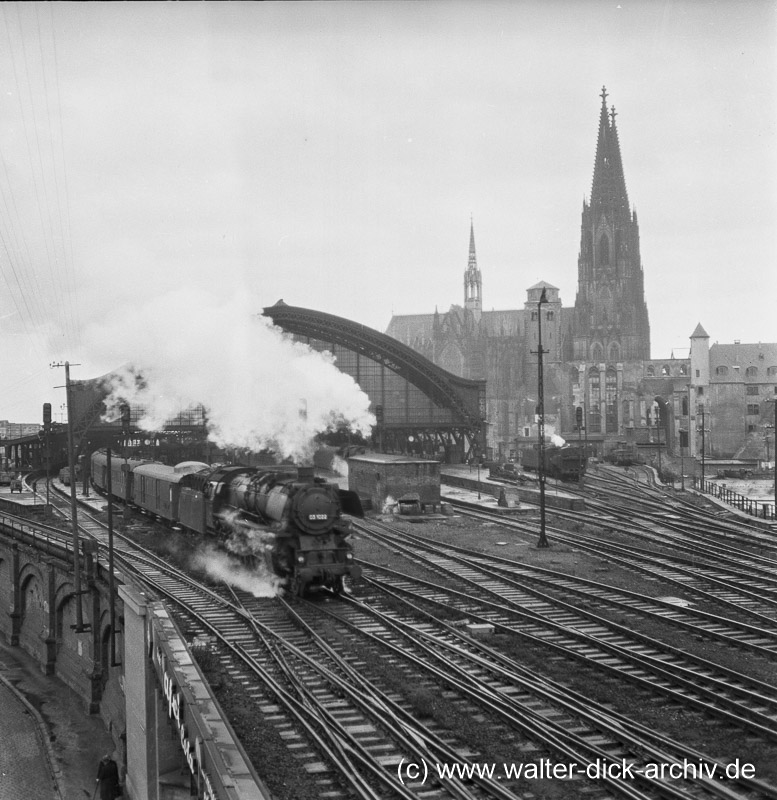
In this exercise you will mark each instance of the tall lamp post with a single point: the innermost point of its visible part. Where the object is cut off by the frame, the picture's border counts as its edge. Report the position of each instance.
(542, 542)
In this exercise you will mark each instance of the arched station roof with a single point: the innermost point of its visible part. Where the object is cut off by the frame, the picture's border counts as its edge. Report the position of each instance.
(464, 397)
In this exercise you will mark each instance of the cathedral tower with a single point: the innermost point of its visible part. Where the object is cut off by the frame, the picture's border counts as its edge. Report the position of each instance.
(473, 285)
(611, 319)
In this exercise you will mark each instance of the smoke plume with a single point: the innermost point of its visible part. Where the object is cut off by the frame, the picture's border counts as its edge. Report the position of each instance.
(260, 389)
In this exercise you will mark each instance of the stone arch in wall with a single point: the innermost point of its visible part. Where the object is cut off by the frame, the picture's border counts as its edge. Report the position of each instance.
(32, 607)
(65, 618)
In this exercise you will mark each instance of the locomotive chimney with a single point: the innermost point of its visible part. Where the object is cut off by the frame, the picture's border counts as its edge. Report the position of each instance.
(305, 473)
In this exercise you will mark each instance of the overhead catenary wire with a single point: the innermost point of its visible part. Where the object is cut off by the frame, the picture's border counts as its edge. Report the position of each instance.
(36, 251)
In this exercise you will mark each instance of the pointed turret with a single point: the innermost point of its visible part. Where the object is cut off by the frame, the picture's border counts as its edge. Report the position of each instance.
(473, 299)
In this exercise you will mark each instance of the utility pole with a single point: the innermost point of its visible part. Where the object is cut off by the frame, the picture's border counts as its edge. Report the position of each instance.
(79, 627)
(542, 542)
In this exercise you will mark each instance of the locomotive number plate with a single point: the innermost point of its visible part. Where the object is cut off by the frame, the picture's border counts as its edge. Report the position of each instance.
(317, 516)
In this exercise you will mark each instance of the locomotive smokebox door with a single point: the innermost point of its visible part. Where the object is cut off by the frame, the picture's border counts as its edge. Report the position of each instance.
(314, 510)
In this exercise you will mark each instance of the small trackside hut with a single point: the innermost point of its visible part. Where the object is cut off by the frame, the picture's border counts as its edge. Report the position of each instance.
(395, 483)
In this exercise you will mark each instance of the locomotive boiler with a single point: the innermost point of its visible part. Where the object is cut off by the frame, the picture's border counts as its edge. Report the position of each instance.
(293, 520)
(300, 518)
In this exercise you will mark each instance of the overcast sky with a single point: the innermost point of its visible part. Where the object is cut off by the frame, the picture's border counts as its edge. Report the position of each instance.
(331, 154)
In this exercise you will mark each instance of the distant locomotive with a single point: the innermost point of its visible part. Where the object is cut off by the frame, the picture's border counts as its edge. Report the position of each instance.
(294, 519)
(566, 463)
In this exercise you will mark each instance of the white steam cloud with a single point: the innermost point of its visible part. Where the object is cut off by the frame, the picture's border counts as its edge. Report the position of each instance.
(557, 440)
(259, 388)
(223, 567)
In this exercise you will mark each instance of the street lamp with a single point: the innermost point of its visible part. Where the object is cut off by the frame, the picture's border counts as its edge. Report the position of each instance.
(542, 541)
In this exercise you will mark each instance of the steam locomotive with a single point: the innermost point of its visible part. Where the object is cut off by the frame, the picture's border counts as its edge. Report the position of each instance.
(567, 463)
(293, 519)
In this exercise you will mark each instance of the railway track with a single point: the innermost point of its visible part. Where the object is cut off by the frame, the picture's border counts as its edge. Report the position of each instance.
(725, 576)
(581, 635)
(566, 722)
(349, 733)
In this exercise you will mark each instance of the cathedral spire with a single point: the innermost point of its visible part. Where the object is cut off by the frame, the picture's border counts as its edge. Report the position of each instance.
(473, 261)
(608, 190)
(473, 286)
(611, 320)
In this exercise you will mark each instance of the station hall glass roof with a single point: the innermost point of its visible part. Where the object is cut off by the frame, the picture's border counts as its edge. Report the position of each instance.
(410, 388)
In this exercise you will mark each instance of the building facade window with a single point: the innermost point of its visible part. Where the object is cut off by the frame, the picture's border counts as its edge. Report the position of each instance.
(611, 400)
(594, 399)
(751, 390)
(721, 371)
(753, 409)
(751, 372)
